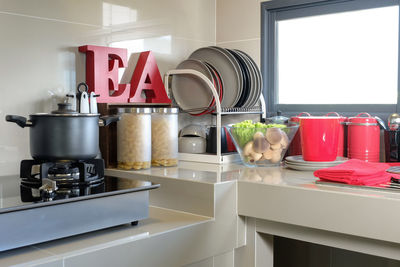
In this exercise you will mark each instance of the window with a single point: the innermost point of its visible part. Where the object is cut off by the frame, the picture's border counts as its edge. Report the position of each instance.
(331, 55)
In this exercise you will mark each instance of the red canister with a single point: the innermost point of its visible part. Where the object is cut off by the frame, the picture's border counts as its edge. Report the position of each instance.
(341, 136)
(295, 146)
(363, 138)
(319, 138)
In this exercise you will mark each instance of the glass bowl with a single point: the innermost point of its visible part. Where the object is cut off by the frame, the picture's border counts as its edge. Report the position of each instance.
(262, 146)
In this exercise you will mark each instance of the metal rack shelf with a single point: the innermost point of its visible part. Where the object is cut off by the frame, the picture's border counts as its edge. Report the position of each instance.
(218, 158)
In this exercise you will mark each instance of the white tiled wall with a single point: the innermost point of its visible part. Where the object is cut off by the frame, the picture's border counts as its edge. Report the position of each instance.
(39, 58)
(238, 26)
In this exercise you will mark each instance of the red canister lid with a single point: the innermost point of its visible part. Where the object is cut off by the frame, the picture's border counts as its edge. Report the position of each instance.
(297, 117)
(359, 119)
(341, 118)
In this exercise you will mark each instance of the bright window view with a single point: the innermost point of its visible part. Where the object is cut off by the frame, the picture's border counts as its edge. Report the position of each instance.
(342, 58)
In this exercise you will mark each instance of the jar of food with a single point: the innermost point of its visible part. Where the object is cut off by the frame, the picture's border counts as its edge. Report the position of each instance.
(134, 138)
(164, 137)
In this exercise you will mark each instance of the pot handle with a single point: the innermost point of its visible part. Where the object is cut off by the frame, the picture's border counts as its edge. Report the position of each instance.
(21, 121)
(106, 120)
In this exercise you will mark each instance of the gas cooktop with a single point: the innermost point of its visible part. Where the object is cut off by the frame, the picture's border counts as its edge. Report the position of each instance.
(25, 221)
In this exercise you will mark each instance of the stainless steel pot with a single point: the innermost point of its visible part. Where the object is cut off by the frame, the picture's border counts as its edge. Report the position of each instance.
(63, 134)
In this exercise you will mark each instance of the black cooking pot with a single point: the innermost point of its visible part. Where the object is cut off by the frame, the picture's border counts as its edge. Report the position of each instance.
(63, 134)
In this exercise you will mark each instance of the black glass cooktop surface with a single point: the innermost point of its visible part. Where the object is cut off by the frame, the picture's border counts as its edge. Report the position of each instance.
(11, 198)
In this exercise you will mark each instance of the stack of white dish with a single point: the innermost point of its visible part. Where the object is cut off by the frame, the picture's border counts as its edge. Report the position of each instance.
(298, 163)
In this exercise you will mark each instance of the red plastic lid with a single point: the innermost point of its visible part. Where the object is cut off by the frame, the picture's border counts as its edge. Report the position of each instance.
(359, 119)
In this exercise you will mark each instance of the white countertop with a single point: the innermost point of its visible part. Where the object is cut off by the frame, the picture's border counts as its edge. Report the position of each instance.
(189, 191)
(160, 221)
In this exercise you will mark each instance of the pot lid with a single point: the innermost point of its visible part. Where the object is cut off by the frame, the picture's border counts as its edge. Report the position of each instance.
(359, 119)
(65, 110)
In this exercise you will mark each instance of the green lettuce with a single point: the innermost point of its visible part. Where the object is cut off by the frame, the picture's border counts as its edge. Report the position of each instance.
(244, 131)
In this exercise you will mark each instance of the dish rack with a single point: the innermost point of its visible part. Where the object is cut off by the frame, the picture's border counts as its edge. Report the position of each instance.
(218, 158)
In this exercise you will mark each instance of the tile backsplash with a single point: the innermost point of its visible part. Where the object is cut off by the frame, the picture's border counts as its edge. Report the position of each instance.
(39, 60)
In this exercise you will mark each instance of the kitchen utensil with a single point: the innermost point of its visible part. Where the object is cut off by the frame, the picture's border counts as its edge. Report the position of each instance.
(93, 103)
(194, 130)
(298, 160)
(192, 144)
(262, 146)
(381, 123)
(394, 122)
(298, 163)
(63, 134)
(246, 78)
(84, 103)
(392, 146)
(295, 146)
(164, 137)
(342, 142)
(277, 119)
(253, 80)
(226, 141)
(319, 137)
(72, 100)
(227, 70)
(83, 97)
(190, 92)
(259, 81)
(217, 81)
(363, 138)
(238, 69)
(394, 169)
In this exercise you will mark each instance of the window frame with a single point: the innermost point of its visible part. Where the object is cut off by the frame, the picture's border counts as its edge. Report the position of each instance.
(271, 12)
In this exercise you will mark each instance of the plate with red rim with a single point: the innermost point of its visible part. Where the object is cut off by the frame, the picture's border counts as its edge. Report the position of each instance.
(217, 84)
(191, 93)
(227, 70)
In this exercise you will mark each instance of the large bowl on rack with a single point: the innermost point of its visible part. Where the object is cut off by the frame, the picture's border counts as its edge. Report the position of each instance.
(263, 146)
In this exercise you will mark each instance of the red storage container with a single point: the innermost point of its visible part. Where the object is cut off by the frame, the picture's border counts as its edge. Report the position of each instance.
(363, 138)
(295, 146)
(342, 134)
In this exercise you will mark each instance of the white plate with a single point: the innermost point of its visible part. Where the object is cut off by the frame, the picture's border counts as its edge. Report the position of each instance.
(302, 168)
(298, 160)
(190, 92)
(226, 69)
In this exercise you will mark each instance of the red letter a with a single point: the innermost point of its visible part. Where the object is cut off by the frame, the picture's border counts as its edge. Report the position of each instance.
(147, 78)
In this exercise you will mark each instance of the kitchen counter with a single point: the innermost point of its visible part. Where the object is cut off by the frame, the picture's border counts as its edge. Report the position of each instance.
(194, 218)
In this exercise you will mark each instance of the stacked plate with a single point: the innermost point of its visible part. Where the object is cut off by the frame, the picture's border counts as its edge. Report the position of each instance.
(298, 163)
(234, 74)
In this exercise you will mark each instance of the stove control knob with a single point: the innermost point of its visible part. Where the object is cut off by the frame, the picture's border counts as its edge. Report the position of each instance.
(48, 189)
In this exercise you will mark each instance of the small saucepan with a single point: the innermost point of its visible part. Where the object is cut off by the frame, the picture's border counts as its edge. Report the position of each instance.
(63, 134)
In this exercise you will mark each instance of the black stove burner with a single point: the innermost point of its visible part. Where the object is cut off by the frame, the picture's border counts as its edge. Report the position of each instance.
(47, 181)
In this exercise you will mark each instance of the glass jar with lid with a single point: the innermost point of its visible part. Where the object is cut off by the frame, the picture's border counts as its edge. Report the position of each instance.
(134, 138)
(164, 137)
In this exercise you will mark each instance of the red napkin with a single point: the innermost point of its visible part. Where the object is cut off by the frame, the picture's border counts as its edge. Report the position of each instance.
(357, 172)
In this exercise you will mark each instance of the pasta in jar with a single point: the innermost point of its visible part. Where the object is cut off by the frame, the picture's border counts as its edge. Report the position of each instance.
(134, 138)
(164, 138)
